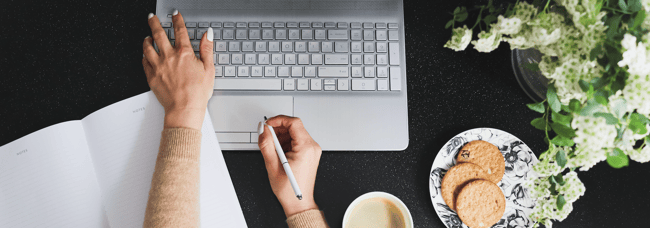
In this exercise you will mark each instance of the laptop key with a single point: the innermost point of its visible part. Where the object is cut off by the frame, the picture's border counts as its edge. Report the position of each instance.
(395, 78)
(220, 46)
(267, 25)
(336, 59)
(304, 24)
(292, 24)
(393, 53)
(316, 84)
(241, 24)
(363, 84)
(248, 84)
(190, 24)
(228, 24)
(166, 24)
(355, 25)
(228, 34)
(337, 34)
(392, 25)
(333, 72)
(330, 25)
(204, 24)
(392, 35)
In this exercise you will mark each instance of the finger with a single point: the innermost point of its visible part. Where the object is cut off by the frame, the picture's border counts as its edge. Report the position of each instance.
(267, 147)
(180, 32)
(149, 52)
(294, 125)
(206, 49)
(159, 34)
(148, 69)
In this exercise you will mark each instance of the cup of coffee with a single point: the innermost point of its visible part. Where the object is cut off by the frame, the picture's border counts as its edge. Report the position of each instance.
(377, 209)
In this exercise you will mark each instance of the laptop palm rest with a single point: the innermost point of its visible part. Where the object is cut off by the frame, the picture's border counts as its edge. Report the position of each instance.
(235, 118)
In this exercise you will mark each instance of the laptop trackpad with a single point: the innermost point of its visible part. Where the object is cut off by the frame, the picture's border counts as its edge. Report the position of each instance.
(242, 113)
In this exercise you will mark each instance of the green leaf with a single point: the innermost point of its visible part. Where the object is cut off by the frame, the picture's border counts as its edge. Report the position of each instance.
(561, 119)
(560, 198)
(634, 5)
(601, 100)
(613, 23)
(489, 19)
(562, 141)
(619, 107)
(638, 20)
(537, 107)
(457, 10)
(551, 96)
(638, 123)
(575, 106)
(613, 53)
(611, 119)
(560, 158)
(449, 24)
(591, 108)
(532, 67)
(622, 4)
(563, 130)
(559, 179)
(461, 15)
(584, 85)
(540, 123)
(617, 159)
(594, 53)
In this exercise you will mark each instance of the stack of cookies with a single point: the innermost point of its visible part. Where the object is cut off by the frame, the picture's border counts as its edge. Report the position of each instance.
(470, 187)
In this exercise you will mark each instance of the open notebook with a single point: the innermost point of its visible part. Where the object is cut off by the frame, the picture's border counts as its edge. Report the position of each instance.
(96, 172)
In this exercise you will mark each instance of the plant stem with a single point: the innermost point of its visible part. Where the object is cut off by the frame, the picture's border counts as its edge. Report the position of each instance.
(480, 13)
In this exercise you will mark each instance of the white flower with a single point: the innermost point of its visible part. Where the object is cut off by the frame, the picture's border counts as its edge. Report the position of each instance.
(646, 5)
(636, 57)
(592, 135)
(460, 38)
(637, 94)
(508, 26)
(541, 37)
(640, 155)
(573, 188)
(524, 11)
(568, 75)
(487, 42)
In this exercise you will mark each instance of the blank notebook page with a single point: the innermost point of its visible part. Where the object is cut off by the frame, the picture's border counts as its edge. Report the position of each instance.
(124, 140)
(47, 179)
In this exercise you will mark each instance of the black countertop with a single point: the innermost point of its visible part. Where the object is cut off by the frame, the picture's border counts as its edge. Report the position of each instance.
(62, 60)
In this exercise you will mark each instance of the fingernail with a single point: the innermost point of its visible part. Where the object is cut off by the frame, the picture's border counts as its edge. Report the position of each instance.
(175, 12)
(147, 37)
(210, 34)
(150, 16)
(260, 128)
(142, 55)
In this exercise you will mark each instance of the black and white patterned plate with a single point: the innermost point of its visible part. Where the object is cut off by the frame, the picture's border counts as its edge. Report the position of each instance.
(519, 159)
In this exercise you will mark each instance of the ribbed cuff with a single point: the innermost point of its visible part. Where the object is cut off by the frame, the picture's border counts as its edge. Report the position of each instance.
(180, 144)
(313, 218)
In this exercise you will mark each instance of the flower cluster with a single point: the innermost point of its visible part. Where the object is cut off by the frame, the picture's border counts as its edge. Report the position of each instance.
(598, 102)
(460, 39)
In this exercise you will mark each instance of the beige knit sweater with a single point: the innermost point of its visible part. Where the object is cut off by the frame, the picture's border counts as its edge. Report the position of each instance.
(174, 195)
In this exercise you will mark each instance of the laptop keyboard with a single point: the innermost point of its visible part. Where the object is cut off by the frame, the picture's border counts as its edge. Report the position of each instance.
(304, 56)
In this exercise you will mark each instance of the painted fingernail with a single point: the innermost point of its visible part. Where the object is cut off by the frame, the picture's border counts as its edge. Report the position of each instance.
(150, 16)
(175, 12)
(210, 34)
(147, 37)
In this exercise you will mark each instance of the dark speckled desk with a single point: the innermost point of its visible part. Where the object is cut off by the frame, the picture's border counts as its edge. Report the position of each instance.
(62, 60)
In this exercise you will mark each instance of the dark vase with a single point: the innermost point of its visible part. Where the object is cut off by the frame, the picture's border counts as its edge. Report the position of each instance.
(531, 81)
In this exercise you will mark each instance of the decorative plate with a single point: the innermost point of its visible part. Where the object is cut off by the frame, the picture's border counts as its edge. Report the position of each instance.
(519, 159)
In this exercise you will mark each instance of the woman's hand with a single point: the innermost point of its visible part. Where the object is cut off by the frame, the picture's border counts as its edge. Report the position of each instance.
(303, 155)
(182, 83)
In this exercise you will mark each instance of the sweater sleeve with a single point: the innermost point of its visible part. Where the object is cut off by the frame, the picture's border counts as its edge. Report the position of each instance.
(174, 195)
(313, 218)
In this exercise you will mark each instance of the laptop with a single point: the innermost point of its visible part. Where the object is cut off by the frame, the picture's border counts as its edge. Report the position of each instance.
(338, 65)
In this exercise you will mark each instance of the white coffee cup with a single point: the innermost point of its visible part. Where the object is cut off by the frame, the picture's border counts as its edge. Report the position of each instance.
(377, 209)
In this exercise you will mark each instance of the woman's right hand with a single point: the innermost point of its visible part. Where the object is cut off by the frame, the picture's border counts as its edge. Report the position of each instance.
(303, 155)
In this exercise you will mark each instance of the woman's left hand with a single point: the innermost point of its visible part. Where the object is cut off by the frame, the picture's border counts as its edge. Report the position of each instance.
(182, 82)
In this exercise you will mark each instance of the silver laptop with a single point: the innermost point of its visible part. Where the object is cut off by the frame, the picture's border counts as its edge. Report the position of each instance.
(338, 65)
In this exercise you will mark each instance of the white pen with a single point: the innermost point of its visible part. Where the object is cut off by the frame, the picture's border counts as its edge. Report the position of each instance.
(283, 159)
